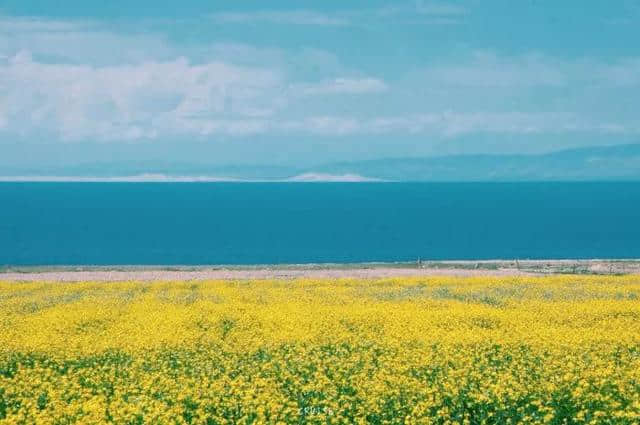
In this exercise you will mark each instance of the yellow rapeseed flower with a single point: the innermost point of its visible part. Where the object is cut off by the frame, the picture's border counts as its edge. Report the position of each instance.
(482, 350)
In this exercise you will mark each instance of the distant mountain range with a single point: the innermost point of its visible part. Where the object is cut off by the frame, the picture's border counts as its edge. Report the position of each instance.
(621, 162)
(596, 163)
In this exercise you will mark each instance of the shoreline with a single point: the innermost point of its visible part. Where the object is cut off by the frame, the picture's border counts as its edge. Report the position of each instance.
(461, 268)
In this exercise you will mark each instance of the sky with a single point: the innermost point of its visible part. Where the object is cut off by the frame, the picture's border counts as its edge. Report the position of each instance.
(299, 82)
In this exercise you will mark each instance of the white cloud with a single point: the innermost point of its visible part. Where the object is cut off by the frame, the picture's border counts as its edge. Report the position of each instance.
(130, 102)
(453, 124)
(24, 25)
(79, 41)
(231, 89)
(293, 17)
(340, 86)
(490, 70)
(420, 12)
(322, 125)
(79, 81)
(424, 12)
(155, 100)
(159, 100)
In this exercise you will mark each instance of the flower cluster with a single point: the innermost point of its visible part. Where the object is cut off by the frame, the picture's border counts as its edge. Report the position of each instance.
(438, 350)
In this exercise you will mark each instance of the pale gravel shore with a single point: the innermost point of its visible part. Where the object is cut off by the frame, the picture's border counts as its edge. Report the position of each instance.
(318, 271)
(170, 275)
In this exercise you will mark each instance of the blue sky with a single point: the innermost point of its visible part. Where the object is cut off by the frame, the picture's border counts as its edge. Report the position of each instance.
(286, 82)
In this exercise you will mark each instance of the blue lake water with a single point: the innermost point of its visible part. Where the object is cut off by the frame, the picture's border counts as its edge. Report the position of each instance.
(258, 223)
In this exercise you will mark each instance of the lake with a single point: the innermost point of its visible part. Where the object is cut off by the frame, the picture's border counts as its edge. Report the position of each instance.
(263, 223)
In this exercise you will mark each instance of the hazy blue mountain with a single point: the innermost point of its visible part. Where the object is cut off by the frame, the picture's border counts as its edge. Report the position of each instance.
(597, 163)
(621, 162)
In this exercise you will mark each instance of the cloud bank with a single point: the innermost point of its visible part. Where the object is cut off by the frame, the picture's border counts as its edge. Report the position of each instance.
(70, 81)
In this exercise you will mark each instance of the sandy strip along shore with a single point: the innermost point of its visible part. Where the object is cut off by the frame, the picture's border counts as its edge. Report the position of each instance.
(146, 275)
(364, 271)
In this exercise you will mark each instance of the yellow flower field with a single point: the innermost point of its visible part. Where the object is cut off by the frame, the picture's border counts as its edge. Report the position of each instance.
(558, 350)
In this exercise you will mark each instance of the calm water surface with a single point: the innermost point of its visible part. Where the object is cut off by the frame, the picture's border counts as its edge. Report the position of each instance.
(256, 223)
